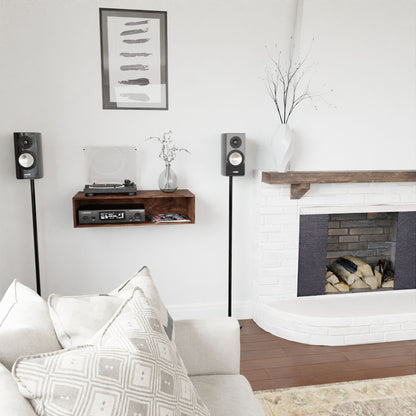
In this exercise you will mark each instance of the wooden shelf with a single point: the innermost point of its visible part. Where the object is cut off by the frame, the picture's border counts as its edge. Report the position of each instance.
(300, 182)
(155, 202)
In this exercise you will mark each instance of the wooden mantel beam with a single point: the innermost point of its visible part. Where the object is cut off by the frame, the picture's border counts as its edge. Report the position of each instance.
(300, 181)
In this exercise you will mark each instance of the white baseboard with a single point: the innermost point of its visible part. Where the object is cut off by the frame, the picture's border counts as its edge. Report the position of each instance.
(241, 310)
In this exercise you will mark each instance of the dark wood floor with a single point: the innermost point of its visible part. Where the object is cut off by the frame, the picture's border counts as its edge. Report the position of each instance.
(270, 362)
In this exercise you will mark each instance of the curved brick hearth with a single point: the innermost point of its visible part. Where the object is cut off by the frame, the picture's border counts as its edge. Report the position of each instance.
(341, 319)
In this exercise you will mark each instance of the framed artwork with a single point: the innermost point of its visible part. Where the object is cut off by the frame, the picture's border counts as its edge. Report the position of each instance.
(134, 59)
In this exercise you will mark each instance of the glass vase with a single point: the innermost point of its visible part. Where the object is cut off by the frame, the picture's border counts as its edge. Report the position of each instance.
(168, 182)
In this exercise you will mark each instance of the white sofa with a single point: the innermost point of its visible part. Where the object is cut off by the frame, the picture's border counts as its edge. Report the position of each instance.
(210, 350)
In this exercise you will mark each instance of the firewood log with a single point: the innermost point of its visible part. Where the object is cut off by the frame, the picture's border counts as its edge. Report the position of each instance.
(363, 268)
(379, 267)
(348, 264)
(332, 279)
(388, 275)
(342, 287)
(343, 273)
(378, 276)
(328, 273)
(388, 283)
(359, 284)
(371, 281)
(384, 266)
(330, 288)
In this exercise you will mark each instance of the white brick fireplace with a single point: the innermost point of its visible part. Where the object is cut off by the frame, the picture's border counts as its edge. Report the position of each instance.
(332, 319)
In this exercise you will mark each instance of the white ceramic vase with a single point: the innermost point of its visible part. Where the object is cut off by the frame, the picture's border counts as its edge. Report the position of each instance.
(282, 147)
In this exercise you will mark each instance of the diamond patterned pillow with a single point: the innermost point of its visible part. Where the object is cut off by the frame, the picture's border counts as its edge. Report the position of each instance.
(133, 370)
(144, 281)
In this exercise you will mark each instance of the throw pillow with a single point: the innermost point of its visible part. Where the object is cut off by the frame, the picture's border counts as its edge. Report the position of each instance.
(25, 325)
(144, 281)
(78, 318)
(12, 403)
(133, 370)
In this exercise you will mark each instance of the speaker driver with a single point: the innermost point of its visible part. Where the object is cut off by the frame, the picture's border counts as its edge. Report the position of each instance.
(235, 142)
(26, 160)
(235, 158)
(25, 142)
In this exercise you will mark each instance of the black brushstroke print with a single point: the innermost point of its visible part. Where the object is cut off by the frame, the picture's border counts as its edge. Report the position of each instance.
(142, 22)
(138, 67)
(138, 81)
(133, 32)
(136, 96)
(136, 40)
(134, 54)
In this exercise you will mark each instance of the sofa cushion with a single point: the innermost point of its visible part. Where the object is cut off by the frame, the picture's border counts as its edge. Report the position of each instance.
(134, 369)
(12, 403)
(25, 325)
(226, 395)
(209, 346)
(77, 319)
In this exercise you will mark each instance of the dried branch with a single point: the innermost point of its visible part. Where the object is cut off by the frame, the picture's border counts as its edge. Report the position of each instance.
(169, 149)
(285, 85)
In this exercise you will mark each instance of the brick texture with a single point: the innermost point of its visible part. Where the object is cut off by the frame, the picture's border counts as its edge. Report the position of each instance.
(370, 236)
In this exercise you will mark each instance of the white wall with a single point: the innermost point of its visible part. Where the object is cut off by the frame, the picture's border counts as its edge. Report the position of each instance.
(365, 52)
(51, 83)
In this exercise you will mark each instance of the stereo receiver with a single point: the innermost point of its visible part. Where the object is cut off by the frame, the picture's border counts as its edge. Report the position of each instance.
(112, 215)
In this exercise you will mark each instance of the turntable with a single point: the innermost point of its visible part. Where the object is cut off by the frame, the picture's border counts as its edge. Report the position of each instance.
(128, 187)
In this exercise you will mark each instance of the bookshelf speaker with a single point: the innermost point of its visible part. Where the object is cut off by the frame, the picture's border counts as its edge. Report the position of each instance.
(233, 149)
(28, 155)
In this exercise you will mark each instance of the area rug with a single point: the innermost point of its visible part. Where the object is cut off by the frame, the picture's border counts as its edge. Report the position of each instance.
(395, 396)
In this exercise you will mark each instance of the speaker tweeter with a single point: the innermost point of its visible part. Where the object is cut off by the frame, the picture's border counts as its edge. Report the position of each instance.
(233, 149)
(28, 155)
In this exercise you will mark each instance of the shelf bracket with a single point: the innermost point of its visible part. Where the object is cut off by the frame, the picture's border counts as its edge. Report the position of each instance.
(297, 190)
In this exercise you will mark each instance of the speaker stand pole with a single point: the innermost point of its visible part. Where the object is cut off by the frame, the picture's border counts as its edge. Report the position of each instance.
(35, 234)
(230, 246)
(230, 242)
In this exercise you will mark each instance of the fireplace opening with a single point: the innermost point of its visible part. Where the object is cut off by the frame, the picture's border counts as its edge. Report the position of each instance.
(355, 252)
(361, 249)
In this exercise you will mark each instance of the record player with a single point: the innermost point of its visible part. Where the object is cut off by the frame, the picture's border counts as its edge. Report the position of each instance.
(127, 188)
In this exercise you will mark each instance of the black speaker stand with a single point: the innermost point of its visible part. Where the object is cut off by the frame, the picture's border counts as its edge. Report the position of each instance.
(35, 234)
(230, 246)
(230, 242)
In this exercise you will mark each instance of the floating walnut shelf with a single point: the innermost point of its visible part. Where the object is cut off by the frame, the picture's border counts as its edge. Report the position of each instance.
(300, 182)
(155, 202)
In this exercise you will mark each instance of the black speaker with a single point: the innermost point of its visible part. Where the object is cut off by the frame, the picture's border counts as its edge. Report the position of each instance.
(28, 155)
(233, 149)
